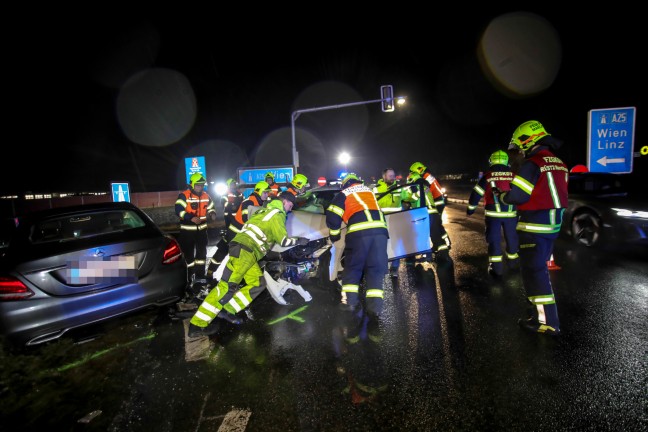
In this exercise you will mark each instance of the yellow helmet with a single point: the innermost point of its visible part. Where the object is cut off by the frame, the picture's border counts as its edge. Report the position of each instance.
(230, 181)
(417, 167)
(299, 181)
(196, 178)
(349, 177)
(498, 158)
(527, 134)
(269, 174)
(412, 177)
(261, 187)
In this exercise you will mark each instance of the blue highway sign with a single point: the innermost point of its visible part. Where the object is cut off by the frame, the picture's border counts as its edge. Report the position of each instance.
(195, 164)
(282, 174)
(610, 137)
(120, 192)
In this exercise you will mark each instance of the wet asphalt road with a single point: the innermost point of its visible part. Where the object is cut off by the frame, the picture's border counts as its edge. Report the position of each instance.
(447, 355)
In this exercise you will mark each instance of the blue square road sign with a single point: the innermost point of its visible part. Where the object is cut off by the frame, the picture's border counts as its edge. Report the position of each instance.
(120, 192)
(610, 137)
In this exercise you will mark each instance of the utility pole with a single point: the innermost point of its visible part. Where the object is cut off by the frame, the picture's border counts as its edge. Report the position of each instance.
(387, 101)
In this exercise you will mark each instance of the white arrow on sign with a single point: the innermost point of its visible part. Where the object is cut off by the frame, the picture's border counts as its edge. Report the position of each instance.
(120, 194)
(604, 160)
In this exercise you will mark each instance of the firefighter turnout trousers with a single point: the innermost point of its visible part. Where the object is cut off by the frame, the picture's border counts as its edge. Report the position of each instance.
(365, 255)
(495, 226)
(193, 242)
(242, 265)
(535, 251)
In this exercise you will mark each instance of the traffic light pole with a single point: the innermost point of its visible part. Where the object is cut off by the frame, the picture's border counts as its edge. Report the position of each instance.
(387, 101)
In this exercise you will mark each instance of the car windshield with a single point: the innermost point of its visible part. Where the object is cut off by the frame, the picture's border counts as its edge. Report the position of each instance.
(612, 184)
(315, 200)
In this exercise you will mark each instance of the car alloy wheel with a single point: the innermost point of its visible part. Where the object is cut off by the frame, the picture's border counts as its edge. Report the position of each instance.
(586, 228)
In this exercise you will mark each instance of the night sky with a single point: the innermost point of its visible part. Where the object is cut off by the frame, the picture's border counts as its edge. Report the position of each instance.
(101, 96)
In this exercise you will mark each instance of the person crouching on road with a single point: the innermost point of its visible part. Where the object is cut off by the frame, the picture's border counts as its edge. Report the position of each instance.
(239, 216)
(263, 229)
(365, 249)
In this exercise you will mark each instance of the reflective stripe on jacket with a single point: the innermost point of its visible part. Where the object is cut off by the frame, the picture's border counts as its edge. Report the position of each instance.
(242, 212)
(356, 205)
(435, 188)
(265, 228)
(501, 176)
(190, 205)
(540, 192)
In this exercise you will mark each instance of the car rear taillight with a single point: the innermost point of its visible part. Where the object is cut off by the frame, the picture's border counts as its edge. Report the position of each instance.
(172, 252)
(13, 289)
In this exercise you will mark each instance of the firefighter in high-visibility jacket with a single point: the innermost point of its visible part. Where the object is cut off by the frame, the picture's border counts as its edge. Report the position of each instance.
(365, 248)
(539, 190)
(298, 184)
(389, 200)
(498, 217)
(242, 279)
(273, 187)
(387, 192)
(437, 193)
(414, 198)
(194, 207)
(231, 201)
(241, 214)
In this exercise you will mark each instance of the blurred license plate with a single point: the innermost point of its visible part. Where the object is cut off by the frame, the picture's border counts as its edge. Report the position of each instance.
(92, 270)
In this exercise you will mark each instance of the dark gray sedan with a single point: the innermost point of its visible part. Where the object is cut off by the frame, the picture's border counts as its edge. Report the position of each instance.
(66, 268)
(606, 208)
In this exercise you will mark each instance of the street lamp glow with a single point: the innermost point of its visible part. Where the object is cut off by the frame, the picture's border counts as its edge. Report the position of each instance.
(220, 188)
(344, 159)
(400, 101)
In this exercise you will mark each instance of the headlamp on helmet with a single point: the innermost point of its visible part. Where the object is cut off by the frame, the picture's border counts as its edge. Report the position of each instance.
(527, 134)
